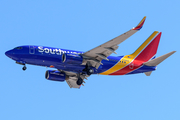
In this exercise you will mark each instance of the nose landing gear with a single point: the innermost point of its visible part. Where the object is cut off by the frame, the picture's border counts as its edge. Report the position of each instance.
(24, 68)
(22, 63)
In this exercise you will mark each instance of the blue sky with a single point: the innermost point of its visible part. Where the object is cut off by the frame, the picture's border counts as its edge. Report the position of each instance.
(83, 25)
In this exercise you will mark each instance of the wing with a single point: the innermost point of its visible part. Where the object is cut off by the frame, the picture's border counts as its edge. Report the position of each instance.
(72, 79)
(96, 55)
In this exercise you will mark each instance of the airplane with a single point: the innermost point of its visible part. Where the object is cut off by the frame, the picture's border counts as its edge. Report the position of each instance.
(75, 66)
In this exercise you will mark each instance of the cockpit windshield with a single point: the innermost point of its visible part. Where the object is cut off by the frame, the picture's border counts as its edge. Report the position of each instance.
(18, 48)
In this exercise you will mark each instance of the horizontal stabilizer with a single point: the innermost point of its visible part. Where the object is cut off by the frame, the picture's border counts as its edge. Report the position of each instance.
(158, 60)
(148, 73)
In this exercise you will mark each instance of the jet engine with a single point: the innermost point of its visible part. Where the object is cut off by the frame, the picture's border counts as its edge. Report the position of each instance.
(71, 58)
(55, 75)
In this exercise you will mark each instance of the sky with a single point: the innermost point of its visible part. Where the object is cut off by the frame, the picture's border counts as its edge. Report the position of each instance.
(82, 25)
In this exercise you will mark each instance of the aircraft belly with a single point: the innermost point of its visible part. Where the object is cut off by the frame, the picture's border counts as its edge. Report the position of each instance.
(41, 60)
(74, 68)
(143, 69)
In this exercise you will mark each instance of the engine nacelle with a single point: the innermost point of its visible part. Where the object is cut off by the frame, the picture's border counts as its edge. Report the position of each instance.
(71, 58)
(55, 75)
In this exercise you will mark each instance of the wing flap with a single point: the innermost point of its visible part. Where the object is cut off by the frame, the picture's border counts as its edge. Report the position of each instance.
(72, 83)
(73, 77)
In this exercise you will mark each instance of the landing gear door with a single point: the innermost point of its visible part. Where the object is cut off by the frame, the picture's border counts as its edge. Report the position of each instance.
(31, 49)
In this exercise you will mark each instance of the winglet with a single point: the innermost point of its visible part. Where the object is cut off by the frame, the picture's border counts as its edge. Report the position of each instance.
(139, 26)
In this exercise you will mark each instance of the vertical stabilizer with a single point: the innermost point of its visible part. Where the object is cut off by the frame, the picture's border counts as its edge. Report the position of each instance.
(149, 48)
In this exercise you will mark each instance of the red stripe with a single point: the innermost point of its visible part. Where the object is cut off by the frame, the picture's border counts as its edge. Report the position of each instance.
(127, 69)
(139, 27)
(144, 56)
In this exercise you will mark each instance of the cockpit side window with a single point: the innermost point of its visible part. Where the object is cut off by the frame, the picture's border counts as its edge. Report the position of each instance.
(18, 48)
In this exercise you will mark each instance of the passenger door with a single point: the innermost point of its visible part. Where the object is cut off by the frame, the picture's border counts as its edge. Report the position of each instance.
(31, 50)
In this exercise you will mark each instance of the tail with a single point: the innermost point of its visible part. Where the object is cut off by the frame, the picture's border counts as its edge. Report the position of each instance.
(148, 49)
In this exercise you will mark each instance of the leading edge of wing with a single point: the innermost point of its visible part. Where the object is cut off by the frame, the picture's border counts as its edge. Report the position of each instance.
(110, 46)
(119, 39)
(140, 25)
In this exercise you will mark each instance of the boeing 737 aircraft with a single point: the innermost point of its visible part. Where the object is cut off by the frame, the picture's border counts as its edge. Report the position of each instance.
(75, 66)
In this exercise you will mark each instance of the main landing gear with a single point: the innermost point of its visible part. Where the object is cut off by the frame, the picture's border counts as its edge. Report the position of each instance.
(79, 81)
(88, 70)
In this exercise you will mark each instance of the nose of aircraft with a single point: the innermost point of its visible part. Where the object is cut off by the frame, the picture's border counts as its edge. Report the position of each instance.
(9, 53)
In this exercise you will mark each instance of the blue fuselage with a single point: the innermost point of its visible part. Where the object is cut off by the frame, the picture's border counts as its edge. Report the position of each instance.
(62, 59)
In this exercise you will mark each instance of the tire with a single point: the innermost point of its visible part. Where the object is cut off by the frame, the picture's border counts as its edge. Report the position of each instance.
(24, 68)
(79, 82)
(90, 71)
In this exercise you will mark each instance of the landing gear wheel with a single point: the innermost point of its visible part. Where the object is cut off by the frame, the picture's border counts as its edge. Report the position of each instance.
(79, 81)
(90, 71)
(24, 68)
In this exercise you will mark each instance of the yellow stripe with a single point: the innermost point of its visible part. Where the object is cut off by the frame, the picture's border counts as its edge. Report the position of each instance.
(119, 65)
(144, 44)
(142, 20)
